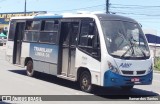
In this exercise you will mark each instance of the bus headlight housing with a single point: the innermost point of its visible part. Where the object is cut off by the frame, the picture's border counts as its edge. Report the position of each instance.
(113, 68)
(150, 69)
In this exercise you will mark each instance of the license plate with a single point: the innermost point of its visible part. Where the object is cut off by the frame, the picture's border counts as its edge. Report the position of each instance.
(135, 80)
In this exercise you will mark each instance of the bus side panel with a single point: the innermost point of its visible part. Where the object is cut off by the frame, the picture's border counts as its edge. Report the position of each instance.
(45, 57)
(41, 66)
(9, 51)
(24, 52)
(86, 61)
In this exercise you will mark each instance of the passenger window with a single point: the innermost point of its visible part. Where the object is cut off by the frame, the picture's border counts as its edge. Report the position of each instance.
(74, 33)
(50, 25)
(36, 25)
(29, 25)
(31, 33)
(33, 25)
(12, 30)
(31, 36)
(49, 31)
(48, 37)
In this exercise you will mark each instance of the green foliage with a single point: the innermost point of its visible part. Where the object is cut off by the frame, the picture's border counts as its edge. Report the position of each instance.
(157, 63)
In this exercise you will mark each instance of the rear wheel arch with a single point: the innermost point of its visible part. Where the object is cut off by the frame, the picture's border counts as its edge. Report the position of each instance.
(26, 60)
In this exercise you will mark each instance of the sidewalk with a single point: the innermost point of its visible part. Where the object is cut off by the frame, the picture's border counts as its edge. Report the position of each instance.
(3, 47)
(156, 71)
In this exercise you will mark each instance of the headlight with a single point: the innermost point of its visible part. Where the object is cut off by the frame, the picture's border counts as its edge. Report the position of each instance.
(113, 68)
(150, 68)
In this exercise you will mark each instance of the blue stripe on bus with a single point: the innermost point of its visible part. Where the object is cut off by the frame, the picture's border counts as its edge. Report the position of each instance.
(52, 16)
(44, 52)
(112, 79)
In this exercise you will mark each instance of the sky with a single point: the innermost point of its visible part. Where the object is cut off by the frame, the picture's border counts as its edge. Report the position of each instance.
(146, 12)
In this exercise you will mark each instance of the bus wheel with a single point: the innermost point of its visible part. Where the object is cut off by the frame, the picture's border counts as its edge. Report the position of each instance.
(29, 68)
(127, 88)
(85, 81)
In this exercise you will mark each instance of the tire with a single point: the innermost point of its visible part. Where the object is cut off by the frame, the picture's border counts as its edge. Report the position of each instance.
(85, 82)
(127, 88)
(29, 68)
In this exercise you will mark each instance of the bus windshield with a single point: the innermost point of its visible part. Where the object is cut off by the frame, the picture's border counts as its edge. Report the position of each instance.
(125, 39)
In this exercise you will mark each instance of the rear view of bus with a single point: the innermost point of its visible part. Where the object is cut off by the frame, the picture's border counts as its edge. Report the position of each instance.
(128, 60)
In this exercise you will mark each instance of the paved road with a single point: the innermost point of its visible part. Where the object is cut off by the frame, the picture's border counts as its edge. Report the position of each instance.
(14, 81)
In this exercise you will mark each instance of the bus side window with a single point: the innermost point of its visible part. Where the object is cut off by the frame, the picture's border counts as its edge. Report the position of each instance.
(87, 34)
(31, 33)
(89, 39)
(49, 31)
(29, 25)
(96, 45)
(12, 30)
(74, 33)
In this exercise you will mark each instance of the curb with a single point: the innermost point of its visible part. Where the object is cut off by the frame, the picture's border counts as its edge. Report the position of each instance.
(155, 71)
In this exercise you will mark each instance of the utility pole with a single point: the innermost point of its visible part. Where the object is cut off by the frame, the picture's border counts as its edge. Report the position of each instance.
(25, 8)
(107, 6)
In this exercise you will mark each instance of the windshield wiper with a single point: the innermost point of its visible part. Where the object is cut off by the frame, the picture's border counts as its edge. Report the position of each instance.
(142, 52)
(131, 47)
(140, 49)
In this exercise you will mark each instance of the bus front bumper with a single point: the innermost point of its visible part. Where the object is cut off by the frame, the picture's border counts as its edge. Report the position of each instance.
(113, 79)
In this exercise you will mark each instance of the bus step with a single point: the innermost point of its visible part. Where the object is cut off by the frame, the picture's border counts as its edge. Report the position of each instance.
(66, 77)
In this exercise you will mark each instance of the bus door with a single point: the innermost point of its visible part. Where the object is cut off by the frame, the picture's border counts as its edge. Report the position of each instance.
(18, 42)
(69, 32)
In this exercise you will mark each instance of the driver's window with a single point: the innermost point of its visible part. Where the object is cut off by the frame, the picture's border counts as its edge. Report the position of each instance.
(89, 38)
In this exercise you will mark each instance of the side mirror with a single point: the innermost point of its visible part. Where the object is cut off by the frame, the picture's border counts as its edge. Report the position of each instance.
(140, 24)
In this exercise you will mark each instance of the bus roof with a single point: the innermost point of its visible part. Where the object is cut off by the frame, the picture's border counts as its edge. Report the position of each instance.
(101, 16)
(114, 17)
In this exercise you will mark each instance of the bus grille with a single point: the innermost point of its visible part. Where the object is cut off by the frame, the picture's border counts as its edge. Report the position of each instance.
(127, 72)
(132, 72)
(141, 72)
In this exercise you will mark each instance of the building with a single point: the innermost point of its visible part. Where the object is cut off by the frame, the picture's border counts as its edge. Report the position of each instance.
(5, 17)
(154, 41)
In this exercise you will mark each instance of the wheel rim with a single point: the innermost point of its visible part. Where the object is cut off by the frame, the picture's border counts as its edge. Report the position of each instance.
(29, 67)
(85, 83)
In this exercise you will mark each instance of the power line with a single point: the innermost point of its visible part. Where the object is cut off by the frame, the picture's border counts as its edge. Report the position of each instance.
(150, 8)
(137, 14)
(131, 7)
(126, 6)
(136, 5)
(102, 5)
(147, 12)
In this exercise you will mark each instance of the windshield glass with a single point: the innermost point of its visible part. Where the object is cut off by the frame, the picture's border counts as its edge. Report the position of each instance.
(125, 39)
